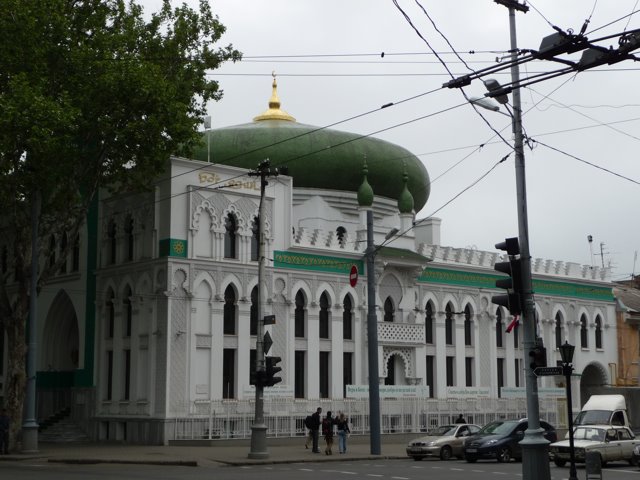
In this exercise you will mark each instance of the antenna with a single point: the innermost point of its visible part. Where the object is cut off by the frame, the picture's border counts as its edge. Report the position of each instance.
(590, 240)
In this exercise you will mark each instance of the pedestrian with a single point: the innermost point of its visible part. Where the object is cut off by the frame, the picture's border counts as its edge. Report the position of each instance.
(460, 419)
(342, 425)
(307, 423)
(4, 432)
(327, 432)
(314, 429)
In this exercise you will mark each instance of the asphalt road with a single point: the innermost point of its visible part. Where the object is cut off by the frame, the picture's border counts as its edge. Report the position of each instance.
(347, 470)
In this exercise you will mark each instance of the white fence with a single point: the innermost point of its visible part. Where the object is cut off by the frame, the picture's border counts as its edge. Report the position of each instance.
(232, 419)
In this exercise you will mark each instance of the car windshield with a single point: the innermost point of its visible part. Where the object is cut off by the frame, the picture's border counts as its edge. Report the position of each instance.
(589, 433)
(498, 427)
(593, 417)
(443, 430)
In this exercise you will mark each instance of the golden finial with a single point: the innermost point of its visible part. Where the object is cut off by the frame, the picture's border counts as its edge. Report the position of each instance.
(274, 112)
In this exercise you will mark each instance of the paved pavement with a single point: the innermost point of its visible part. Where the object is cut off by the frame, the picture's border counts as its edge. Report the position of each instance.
(290, 450)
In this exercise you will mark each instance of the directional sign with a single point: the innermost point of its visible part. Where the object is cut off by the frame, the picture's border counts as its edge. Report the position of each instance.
(266, 343)
(269, 320)
(353, 276)
(547, 371)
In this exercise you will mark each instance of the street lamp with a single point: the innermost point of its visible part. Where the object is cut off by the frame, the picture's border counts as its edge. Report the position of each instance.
(566, 352)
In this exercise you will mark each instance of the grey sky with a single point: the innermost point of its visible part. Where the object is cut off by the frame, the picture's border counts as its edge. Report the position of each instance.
(593, 116)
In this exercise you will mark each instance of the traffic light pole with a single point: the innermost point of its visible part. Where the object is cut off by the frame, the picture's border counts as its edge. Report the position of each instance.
(259, 428)
(535, 457)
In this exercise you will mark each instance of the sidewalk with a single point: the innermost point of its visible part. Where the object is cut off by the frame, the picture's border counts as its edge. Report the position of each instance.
(222, 452)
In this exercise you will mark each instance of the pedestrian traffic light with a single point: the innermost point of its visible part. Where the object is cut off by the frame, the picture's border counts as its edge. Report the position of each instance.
(272, 369)
(538, 357)
(513, 284)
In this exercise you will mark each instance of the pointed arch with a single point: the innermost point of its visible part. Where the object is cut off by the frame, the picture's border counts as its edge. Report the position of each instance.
(60, 339)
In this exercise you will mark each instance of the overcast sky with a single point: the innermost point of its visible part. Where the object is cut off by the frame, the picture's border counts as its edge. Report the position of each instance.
(327, 57)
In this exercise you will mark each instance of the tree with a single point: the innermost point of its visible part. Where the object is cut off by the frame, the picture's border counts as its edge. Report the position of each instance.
(92, 95)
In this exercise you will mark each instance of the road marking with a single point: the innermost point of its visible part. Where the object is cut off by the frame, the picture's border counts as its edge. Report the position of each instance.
(400, 478)
(458, 469)
(500, 473)
(478, 471)
(374, 475)
(306, 469)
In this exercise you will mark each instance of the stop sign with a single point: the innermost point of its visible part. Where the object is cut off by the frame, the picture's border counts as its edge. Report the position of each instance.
(353, 276)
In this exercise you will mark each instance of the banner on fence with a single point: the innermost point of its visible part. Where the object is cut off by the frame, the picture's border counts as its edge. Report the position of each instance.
(521, 392)
(468, 392)
(390, 391)
(280, 391)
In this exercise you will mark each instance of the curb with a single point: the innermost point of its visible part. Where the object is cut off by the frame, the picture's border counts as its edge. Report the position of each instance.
(94, 461)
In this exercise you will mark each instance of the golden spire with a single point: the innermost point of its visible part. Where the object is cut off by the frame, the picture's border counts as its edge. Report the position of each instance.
(274, 112)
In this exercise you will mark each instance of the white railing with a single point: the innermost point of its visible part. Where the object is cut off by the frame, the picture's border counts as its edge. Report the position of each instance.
(232, 419)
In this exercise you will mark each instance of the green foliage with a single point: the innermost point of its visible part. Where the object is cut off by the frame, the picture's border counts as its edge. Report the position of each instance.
(93, 94)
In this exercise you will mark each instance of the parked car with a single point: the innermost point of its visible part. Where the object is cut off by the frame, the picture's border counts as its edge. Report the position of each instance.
(612, 443)
(446, 441)
(635, 457)
(501, 440)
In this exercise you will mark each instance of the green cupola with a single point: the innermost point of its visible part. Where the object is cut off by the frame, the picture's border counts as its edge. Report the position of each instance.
(405, 200)
(365, 192)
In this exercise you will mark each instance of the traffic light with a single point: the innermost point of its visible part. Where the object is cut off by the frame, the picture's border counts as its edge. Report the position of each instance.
(272, 369)
(513, 284)
(256, 378)
(538, 356)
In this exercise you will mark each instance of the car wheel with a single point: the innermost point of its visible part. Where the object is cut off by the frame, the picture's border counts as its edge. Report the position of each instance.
(446, 453)
(471, 458)
(504, 455)
(603, 462)
(560, 463)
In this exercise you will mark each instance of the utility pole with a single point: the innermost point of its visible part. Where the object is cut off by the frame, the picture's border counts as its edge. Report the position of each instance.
(259, 428)
(372, 341)
(535, 456)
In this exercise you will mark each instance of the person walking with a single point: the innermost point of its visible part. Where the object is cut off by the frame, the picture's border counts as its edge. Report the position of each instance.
(342, 425)
(314, 429)
(327, 432)
(4, 432)
(307, 423)
(460, 419)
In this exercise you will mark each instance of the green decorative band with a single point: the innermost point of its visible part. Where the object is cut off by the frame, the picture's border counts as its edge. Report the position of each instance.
(318, 263)
(542, 287)
(172, 247)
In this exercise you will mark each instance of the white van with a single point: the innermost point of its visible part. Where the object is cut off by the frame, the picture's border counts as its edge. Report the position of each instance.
(604, 410)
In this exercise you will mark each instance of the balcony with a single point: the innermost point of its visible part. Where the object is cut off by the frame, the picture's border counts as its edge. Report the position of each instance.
(400, 333)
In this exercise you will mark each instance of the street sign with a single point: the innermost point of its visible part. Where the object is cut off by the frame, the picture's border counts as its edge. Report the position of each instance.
(269, 320)
(353, 276)
(547, 371)
(266, 343)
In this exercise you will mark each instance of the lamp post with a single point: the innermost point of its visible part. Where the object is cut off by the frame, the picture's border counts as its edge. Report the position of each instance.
(566, 352)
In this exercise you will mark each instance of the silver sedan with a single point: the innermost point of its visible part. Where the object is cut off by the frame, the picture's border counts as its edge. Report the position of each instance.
(445, 441)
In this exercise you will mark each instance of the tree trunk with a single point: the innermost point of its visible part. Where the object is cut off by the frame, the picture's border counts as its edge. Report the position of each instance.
(16, 376)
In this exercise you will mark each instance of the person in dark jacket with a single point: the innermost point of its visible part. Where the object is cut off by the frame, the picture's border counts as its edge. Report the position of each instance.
(342, 424)
(327, 432)
(460, 419)
(314, 428)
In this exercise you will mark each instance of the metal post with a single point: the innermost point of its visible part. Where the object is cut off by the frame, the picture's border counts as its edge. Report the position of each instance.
(30, 424)
(259, 428)
(372, 340)
(535, 457)
(567, 370)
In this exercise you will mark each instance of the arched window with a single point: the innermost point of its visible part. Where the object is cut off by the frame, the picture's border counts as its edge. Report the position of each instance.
(584, 333)
(448, 324)
(299, 315)
(75, 260)
(63, 247)
(229, 311)
(341, 233)
(347, 318)
(128, 228)
(558, 330)
(389, 310)
(499, 328)
(468, 323)
(598, 332)
(111, 235)
(324, 315)
(253, 313)
(110, 313)
(52, 251)
(255, 239)
(128, 312)
(230, 236)
(428, 322)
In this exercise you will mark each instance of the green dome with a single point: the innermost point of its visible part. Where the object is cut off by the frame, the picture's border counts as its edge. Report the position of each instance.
(365, 192)
(317, 157)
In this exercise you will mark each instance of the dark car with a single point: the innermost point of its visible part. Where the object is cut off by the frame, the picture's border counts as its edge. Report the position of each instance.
(501, 440)
(635, 458)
